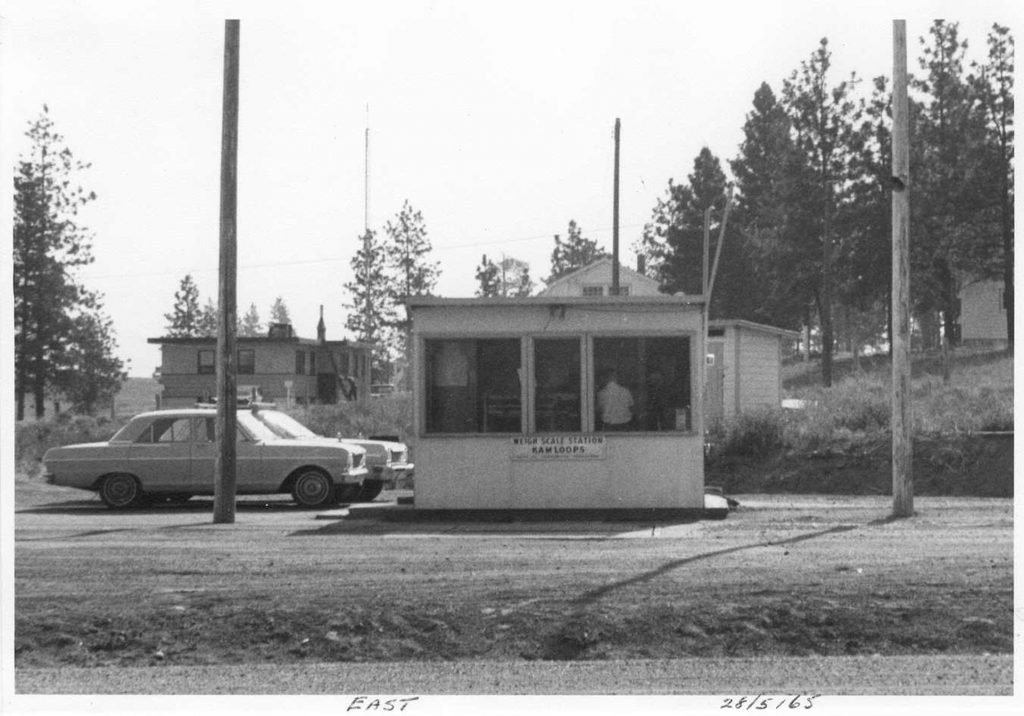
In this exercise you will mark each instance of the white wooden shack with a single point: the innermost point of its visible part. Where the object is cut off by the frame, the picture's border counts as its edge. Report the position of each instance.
(743, 367)
(508, 412)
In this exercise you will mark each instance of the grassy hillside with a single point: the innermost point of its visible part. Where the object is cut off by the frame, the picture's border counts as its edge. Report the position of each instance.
(137, 395)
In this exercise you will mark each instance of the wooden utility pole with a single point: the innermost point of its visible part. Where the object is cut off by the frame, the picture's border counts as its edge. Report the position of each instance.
(615, 216)
(225, 477)
(902, 445)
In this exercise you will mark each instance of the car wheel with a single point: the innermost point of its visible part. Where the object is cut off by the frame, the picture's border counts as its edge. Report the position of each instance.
(313, 488)
(121, 491)
(371, 488)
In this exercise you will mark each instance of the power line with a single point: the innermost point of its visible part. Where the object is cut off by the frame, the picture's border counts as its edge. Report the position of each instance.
(306, 262)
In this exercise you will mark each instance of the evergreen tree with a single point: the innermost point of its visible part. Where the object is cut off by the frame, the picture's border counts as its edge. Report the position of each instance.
(769, 175)
(674, 240)
(48, 246)
(408, 269)
(950, 236)
(250, 325)
(573, 253)
(184, 319)
(824, 119)
(371, 312)
(208, 322)
(90, 373)
(488, 276)
(993, 85)
(279, 312)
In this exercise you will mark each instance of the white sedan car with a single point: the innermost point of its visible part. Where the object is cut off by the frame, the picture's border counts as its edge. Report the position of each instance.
(170, 454)
(387, 460)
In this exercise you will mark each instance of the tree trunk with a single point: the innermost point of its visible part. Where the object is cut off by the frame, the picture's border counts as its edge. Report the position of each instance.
(825, 308)
(1007, 219)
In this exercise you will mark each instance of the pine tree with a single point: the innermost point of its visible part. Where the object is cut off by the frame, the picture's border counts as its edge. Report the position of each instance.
(370, 310)
(573, 253)
(951, 238)
(279, 312)
(48, 246)
(993, 85)
(408, 269)
(208, 322)
(824, 120)
(90, 373)
(488, 276)
(767, 214)
(184, 319)
(250, 325)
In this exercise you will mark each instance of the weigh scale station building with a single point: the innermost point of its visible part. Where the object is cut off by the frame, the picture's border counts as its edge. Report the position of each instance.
(512, 412)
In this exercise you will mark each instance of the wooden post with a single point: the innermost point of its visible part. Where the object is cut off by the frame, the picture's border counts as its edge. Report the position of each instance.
(615, 216)
(225, 467)
(902, 445)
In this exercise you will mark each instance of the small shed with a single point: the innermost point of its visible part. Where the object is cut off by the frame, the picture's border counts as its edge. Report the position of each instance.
(744, 367)
(511, 407)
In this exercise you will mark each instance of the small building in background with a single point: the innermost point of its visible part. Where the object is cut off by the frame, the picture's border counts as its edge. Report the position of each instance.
(513, 409)
(595, 279)
(983, 313)
(279, 367)
(743, 368)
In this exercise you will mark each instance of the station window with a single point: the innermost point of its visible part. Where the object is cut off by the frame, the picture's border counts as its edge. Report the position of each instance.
(473, 386)
(246, 362)
(557, 401)
(312, 363)
(300, 362)
(206, 362)
(642, 383)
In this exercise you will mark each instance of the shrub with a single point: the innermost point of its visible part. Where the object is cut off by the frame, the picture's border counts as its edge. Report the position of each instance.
(388, 415)
(754, 434)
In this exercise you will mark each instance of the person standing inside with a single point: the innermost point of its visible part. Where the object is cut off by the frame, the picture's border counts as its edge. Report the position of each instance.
(614, 404)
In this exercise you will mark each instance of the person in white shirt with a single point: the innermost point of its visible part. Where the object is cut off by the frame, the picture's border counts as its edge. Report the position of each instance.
(615, 404)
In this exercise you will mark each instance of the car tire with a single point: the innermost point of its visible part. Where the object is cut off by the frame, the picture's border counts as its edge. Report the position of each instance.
(313, 488)
(121, 491)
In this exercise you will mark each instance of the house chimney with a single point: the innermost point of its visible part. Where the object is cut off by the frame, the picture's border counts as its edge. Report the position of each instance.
(321, 329)
(641, 265)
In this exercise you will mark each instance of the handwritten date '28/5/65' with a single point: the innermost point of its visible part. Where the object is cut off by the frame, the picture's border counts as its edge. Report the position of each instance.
(762, 702)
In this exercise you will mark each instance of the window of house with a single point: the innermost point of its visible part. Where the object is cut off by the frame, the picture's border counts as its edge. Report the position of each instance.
(623, 290)
(642, 383)
(246, 362)
(593, 290)
(557, 400)
(312, 363)
(300, 362)
(473, 386)
(205, 362)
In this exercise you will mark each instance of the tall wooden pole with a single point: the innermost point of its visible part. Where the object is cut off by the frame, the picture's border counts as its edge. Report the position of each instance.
(902, 445)
(225, 467)
(615, 215)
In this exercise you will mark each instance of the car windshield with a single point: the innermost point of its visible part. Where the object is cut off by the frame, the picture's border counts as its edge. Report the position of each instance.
(255, 428)
(283, 425)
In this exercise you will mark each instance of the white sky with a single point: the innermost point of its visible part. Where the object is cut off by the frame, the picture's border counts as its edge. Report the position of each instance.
(493, 119)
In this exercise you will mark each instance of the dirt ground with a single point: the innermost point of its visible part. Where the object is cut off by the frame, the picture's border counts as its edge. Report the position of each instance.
(785, 576)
